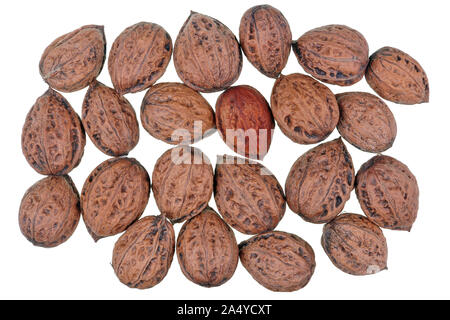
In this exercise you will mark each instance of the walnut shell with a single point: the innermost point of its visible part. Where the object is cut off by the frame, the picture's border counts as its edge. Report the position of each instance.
(207, 55)
(174, 113)
(397, 77)
(388, 193)
(109, 120)
(366, 121)
(139, 57)
(277, 260)
(114, 196)
(143, 254)
(320, 182)
(355, 245)
(245, 121)
(265, 37)
(50, 211)
(207, 250)
(182, 183)
(53, 137)
(305, 110)
(334, 54)
(74, 60)
(247, 195)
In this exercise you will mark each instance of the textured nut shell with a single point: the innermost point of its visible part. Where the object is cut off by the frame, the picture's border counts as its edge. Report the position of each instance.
(207, 55)
(320, 182)
(388, 193)
(182, 183)
(277, 260)
(247, 195)
(109, 120)
(366, 121)
(242, 110)
(397, 77)
(305, 110)
(114, 196)
(265, 37)
(334, 54)
(143, 254)
(50, 211)
(139, 57)
(168, 107)
(53, 137)
(355, 245)
(207, 250)
(75, 59)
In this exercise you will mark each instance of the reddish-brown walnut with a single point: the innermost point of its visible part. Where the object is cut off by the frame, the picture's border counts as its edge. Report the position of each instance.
(53, 137)
(265, 37)
(366, 121)
(355, 245)
(182, 183)
(397, 77)
(74, 60)
(109, 120)
(139, 57)
(114, 196)
(143, 254)
(50, 211)
(207, 55)
(320, 182)
(334, 54)
(277, 260)
(176, 114)
(388, 193)
(207, 250)
(305, 110)
(245, 121)
(247, 195)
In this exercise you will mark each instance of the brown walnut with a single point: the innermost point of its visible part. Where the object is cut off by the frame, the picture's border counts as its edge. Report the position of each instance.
(74, 60)
(139, 57)
(355, 245)
(305, 110)
(245, 121)
(114, 196)
(397, 77)
(388, 193)
(247, 195)
(207, 55)
(53, 137)
(182, 183)
(109, 120)
(168, 107)
(207, 250)
(334, 54)
(143, 254)
(50, 211)
(277, 260)
(265, 37)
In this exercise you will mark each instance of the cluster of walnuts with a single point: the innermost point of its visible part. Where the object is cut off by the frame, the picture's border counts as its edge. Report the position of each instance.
(208, 58)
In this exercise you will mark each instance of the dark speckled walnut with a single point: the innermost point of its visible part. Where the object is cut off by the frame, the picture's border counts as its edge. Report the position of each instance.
(355, 245)
(207, 250)
(53, 137)
(320, 182)
(139, 57)
(277, 260)
(143, 254)
(50, 211)
(265, 37)
(388, 193)
(109, 120)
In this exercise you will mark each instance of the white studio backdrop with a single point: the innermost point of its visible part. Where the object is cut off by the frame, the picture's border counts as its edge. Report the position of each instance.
(419, 262)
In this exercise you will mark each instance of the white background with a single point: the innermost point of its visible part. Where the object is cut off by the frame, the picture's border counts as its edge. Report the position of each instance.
(419, 262)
